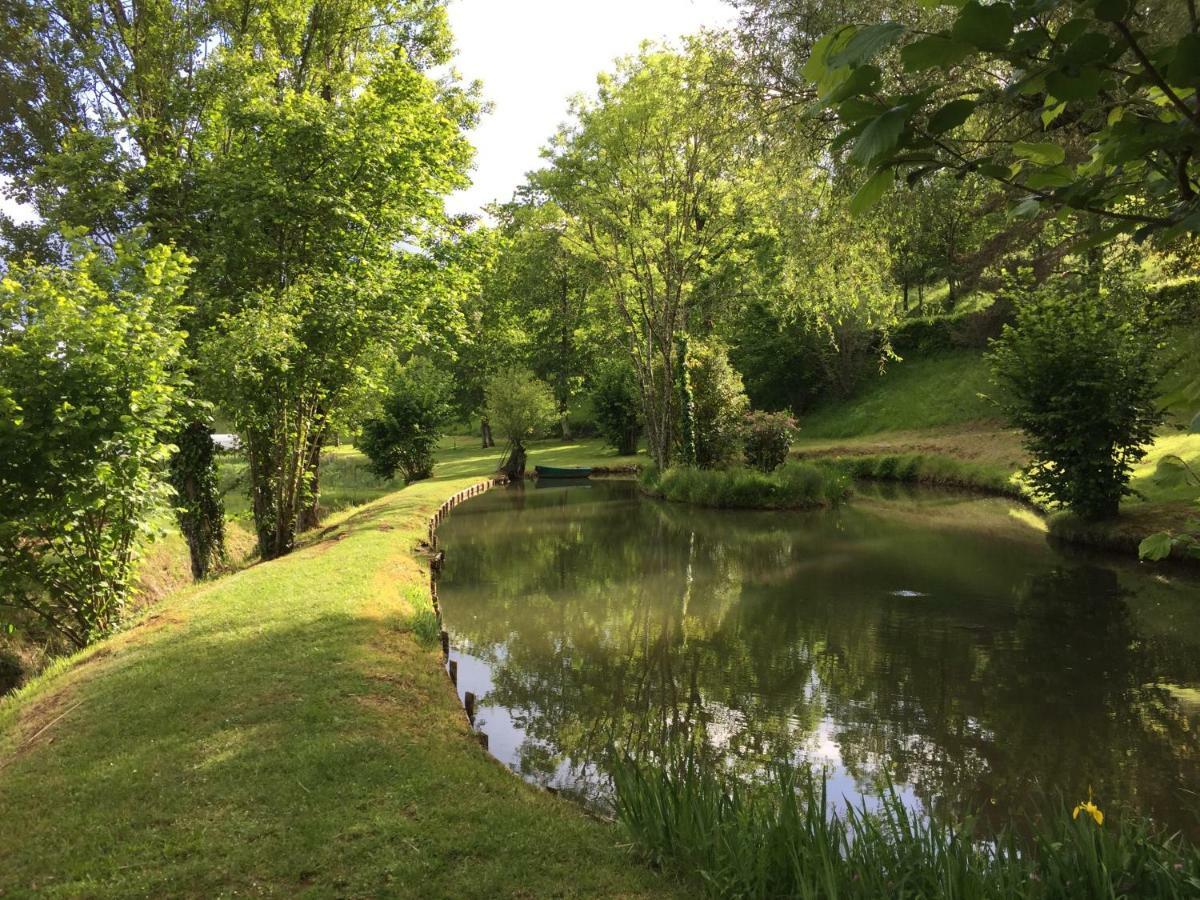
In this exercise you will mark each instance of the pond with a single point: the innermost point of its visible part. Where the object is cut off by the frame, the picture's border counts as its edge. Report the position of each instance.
(929, 640)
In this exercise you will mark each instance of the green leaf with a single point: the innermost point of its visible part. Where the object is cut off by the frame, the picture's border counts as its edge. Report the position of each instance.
(817, 67)
(870, 193)
(935, 50)
(986, 27)
(1050, 113)
(1059, 176)
(859, 81)
(866, 44)
(1155, 547)
(1184, 68)
(1083, 85)
(951, 115)
(1110, 10)
(1044, 154)
(880, 137)
(1027, 208)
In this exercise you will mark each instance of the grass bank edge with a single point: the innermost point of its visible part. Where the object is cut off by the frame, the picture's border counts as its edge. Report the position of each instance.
(489, 829)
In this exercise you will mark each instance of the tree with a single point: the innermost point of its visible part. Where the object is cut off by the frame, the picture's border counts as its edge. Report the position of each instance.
(550, 287)
(1080, 381)
(519, 407)
(616, 404)
(289, 148)
(403, 437)
(1078, 105)
(89, 385)
(647, 173)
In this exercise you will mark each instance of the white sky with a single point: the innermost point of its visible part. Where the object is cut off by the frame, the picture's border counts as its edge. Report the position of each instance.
(532, 55)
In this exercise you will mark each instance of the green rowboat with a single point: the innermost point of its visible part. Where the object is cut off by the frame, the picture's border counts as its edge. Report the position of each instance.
(557, 472)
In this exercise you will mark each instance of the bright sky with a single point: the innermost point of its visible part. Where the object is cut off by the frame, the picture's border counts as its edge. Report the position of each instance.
(532, 55)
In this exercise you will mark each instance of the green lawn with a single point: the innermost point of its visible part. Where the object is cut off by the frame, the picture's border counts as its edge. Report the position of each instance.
(943, 390)
(283, 731)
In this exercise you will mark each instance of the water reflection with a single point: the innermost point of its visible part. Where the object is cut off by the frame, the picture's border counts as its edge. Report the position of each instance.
(928, 639)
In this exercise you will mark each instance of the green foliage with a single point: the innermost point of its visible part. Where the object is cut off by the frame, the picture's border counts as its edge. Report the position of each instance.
(198, 506)
(719, 405)
(1080, 377)
(794, 485)
(406, 433)
(88, 389)
(769, 437)
(616, 405)
(787, 838)
(1102, 123)
(519, 405)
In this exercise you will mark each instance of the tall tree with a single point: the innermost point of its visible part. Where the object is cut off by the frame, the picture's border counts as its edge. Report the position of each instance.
(289, 147)
(647, 172)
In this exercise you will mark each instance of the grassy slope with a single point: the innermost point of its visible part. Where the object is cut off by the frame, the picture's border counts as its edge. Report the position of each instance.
(937, 408)
(283, 730)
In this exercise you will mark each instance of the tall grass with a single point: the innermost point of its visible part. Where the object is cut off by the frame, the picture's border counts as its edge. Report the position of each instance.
(781, 838)
(793, 485)
(927, 468)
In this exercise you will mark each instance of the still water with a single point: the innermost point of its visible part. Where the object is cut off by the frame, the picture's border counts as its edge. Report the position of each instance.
(933, 640)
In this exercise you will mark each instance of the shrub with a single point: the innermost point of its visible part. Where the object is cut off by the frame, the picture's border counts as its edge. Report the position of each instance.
(405, 435)
(617, 406)
(1078, 368)
(768, 439)
(719, 406)
(88, 386)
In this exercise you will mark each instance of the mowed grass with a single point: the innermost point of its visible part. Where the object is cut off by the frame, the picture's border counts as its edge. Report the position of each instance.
(286, 730)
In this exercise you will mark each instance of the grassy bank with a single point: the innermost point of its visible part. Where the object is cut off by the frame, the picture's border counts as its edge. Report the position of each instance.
(923, 421)
(794, 485)
(285, 730)
(782, 838)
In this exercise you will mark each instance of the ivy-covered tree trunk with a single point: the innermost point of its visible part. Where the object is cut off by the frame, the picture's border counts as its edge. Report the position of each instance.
(199, 510)
(514, 463)
(687, 406)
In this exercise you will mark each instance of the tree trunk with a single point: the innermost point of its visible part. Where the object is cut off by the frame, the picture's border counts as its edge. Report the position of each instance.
(485, 429)
(514, 463)
(906, 295)
(310, 510)
(200, 512)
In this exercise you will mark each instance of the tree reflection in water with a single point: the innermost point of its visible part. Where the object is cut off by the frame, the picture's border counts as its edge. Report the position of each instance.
(971, 666)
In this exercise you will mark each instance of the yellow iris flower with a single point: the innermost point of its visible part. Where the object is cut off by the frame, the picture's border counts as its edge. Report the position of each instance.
(1091, 809)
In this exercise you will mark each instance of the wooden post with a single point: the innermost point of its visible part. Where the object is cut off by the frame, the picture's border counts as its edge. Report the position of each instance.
(483, 740)
(446, 644)
(469, 703)
(454, 672)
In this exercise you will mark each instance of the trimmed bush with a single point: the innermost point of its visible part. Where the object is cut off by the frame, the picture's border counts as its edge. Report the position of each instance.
(719, 406)
(404, 437)
(768, 439)
(1081, 379)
